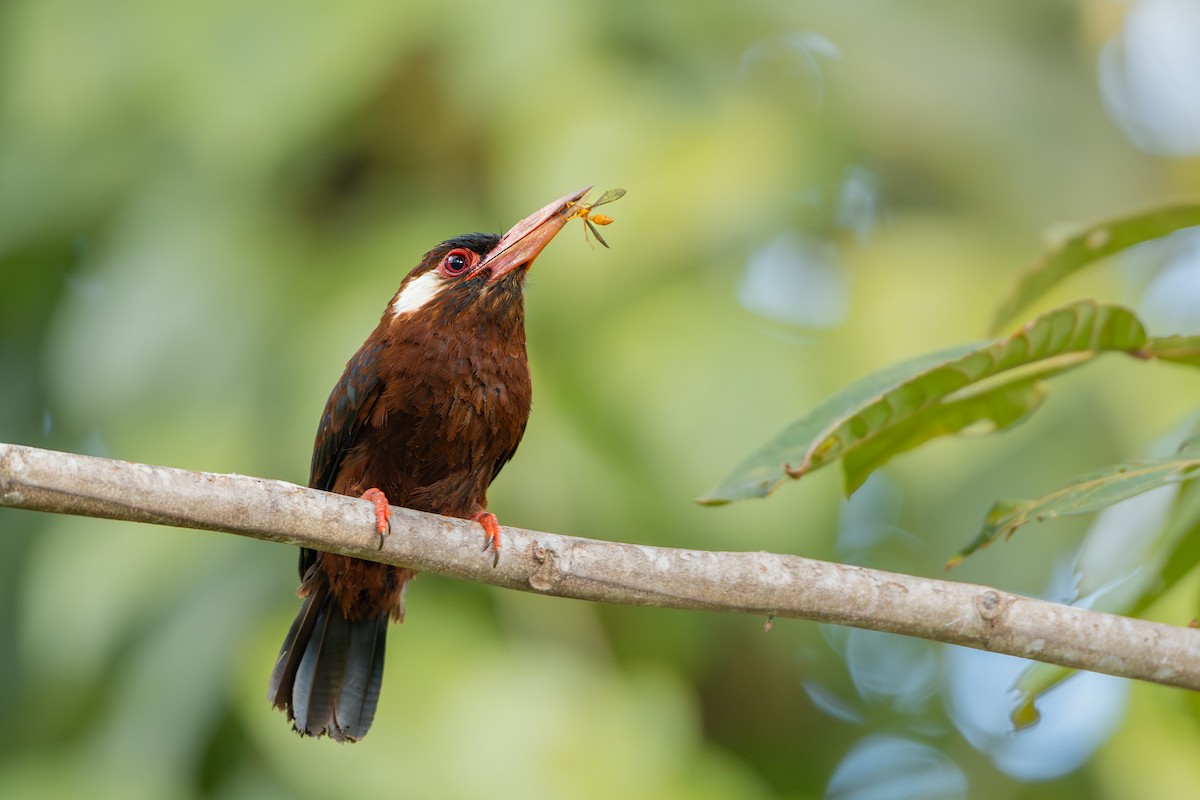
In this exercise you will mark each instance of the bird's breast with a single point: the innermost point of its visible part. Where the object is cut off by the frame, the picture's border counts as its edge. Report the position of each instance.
(449, 416)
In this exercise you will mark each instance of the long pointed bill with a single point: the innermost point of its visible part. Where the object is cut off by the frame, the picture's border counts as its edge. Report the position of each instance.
(525, 240)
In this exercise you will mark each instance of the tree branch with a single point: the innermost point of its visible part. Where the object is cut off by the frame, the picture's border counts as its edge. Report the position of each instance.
(611, 572)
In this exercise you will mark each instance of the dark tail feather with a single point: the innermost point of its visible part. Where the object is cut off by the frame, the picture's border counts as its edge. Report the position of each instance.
(359, 694)
(283, 677)
(319, 677)
(330, 669)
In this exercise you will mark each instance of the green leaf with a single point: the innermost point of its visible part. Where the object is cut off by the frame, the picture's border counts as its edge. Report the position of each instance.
(1181, 539)
(1089, 245)
(1179, 556)
(1181, 349)
(1000, 407)
(905, 405)
(762, 472)
(1087, 493)
(1034, 682)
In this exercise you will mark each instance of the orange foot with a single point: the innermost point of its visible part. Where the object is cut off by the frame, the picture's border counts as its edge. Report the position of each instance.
(491, 533)
(383, 512)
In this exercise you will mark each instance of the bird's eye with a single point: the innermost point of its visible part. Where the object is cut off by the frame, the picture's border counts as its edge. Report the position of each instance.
(456, 262)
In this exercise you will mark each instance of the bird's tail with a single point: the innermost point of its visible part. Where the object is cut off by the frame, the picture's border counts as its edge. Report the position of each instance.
(330, 668)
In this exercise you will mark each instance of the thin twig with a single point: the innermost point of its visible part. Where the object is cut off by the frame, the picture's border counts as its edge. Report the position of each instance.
(757, 583)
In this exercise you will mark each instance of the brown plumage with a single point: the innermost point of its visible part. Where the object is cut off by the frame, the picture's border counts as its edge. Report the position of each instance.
(428, 411)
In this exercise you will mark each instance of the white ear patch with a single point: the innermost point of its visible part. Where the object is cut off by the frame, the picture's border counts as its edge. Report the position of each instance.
(417, 292)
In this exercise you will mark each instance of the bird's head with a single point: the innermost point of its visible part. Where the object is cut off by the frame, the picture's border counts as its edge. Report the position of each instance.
(481, 274)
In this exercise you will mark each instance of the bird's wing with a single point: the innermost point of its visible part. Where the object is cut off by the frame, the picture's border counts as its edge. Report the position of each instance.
(348, 407)
(507, 456)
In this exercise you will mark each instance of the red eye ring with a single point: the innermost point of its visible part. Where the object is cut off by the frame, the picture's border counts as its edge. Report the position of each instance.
(457, 261)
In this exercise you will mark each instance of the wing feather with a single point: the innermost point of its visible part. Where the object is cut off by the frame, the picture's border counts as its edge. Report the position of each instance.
(348, 407)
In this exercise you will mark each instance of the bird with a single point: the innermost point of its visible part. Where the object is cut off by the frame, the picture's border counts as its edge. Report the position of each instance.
(425, 415)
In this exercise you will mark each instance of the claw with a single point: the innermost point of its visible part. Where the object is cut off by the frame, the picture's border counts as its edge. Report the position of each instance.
(383, 513)
(491, 533)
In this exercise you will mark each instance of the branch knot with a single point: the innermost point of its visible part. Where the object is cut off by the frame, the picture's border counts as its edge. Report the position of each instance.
(547, 575)
(990, 605)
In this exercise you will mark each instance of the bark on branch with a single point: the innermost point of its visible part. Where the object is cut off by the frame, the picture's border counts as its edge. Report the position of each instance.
(612, 572)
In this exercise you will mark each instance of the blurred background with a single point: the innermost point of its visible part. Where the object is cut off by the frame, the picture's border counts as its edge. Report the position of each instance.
(204, 208)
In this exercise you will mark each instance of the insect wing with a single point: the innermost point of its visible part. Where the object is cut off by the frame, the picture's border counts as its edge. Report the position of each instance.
(595, 231)
(608, 197)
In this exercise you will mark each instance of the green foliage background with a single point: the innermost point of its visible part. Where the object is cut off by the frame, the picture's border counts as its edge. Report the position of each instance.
(204, 208)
